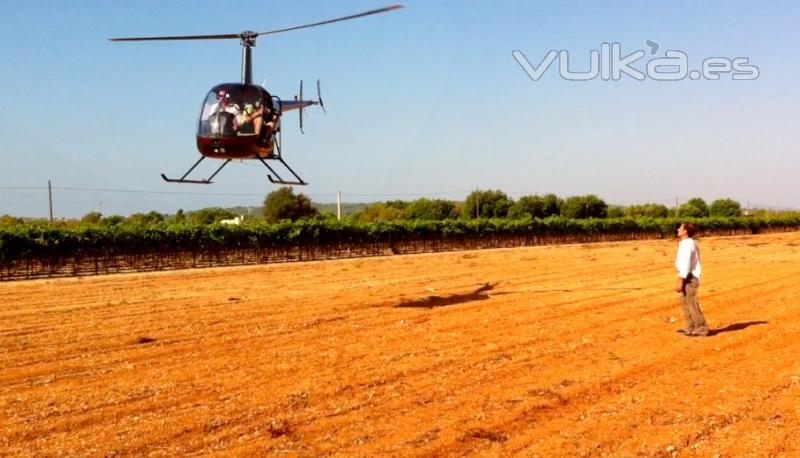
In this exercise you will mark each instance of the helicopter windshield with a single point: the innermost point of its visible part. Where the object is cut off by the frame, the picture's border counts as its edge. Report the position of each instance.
(232, 110)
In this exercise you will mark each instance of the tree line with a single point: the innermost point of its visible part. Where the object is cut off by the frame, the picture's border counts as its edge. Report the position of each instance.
(285, 204)
(497, 204)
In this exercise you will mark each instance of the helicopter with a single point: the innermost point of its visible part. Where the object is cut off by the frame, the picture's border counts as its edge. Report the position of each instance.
(241, 121)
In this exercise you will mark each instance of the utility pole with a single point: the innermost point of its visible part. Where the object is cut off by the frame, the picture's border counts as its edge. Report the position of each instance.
(338, 205)
(50, 198)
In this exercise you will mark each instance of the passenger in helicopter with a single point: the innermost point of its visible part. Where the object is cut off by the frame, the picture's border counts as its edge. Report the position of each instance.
(221, 116)
(270, 123)
(224, 104)
(249, 121)
(257, 119)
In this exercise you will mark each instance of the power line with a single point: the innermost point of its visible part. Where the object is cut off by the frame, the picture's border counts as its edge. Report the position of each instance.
(126, 191)
(198, 193)
(349, 195)
(22, 188)
(142, 191)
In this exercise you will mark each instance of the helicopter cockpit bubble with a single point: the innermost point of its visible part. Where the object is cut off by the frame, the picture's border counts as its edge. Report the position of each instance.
(232, 109)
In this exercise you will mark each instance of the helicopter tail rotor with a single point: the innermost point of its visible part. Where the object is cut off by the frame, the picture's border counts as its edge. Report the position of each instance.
(319, 99)
(300, 111)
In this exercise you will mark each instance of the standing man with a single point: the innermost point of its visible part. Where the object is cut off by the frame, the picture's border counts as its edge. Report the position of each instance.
(688, 264)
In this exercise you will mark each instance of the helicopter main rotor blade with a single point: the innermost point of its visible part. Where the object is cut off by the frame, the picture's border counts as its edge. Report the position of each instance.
(345, 18)
(181, 37)
(243, 35)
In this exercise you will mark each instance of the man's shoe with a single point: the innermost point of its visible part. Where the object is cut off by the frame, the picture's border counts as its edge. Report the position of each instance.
(684, 331)
(700, 332)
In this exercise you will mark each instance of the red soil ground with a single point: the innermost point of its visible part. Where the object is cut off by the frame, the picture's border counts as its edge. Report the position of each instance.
(573, 352)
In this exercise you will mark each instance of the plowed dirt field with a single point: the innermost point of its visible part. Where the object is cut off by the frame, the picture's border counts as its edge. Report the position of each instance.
(571, 351)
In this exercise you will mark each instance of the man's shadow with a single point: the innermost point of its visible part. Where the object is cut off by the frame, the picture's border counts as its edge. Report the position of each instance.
(735, 327)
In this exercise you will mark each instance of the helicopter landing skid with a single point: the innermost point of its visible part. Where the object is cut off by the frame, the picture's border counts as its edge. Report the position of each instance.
(299, 181)
(205, 181)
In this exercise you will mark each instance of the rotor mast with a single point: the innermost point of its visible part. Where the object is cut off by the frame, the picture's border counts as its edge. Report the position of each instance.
(248, 40)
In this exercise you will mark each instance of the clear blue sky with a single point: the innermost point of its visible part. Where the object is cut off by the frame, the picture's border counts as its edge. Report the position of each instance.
(424, 101)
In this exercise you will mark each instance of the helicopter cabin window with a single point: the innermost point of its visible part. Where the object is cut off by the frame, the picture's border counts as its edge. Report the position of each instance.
(232, 110)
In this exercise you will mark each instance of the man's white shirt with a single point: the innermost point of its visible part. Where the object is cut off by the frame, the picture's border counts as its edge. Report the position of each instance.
(688, 259)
